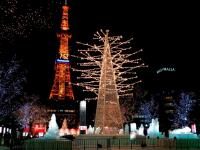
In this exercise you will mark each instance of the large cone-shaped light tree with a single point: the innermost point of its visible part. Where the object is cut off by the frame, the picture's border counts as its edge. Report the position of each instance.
(106, 71)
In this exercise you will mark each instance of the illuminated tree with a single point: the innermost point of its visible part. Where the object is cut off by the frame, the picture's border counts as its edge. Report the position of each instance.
(31, 112)
(183, 109)
(108, 69)
(148, 109)
(12, 79)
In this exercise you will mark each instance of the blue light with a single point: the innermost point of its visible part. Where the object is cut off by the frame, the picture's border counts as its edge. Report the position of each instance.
(62, 60)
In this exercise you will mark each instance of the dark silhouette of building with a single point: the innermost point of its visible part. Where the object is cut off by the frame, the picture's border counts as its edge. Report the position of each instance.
(165, 87)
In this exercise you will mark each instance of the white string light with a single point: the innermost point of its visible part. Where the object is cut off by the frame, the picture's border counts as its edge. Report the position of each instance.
(125, 65)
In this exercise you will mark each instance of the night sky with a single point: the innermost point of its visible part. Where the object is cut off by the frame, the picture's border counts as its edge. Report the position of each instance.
(167, 32)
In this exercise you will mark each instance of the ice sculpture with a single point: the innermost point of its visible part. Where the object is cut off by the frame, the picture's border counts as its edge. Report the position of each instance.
(133, 127)
(183, 133)
(153, 130)
(64, 129)
(126, 130)
(98, 130)
(90, 130)
(53, 131)
(141, 130)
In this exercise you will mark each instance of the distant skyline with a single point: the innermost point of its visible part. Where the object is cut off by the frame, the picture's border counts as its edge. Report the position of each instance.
(167, 32)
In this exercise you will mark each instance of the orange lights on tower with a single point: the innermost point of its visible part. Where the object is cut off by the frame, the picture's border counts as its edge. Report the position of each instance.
(64, 24)
(62, 88)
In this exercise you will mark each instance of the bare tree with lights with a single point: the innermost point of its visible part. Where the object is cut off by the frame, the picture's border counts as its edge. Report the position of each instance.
(149, 110)
(31, 112)
(183, 109)
(12, 79)
(110, 72)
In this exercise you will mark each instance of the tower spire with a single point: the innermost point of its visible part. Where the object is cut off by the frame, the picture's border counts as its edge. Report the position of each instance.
(65, 2)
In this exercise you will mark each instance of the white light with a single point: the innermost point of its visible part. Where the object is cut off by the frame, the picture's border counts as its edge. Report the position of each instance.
(166, 69)
(40, 134)
(132, 135)
(4, 130)
(91, 69)
(25, 133)
(83, 104)
(103, 70)
(83, 127)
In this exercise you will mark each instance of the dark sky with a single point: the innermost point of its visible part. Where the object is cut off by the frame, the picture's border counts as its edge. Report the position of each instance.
(167, 32)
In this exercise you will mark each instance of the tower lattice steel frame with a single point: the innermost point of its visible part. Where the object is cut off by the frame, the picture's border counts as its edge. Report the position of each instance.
(62, 87)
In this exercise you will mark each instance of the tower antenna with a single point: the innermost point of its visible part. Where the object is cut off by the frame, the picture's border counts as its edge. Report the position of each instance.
(65, 2)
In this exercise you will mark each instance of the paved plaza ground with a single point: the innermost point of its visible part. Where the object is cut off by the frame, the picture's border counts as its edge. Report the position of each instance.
(107, 143)
(4, 148)
(113, 148)
(135, 148)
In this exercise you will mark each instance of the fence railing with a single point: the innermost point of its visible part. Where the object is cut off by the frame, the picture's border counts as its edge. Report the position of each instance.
(109, 143)
(44, 144)
(127, 143)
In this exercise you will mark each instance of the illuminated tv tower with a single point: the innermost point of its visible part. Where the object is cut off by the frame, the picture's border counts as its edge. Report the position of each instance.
(62, 88)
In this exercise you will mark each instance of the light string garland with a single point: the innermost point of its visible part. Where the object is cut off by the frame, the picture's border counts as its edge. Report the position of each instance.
(124, 64)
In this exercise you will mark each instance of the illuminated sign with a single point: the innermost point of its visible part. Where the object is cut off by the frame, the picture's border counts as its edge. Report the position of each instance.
(62, 60)
(83, 127)
(166, 69)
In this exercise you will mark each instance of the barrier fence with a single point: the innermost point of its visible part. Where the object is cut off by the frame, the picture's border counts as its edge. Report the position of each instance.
(127, 143)
(110, 143)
